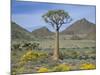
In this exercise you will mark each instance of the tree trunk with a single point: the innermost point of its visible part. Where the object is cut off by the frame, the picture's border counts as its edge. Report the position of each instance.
(56, 50)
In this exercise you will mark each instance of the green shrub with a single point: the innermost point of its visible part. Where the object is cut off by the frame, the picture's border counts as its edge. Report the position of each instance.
(69, 54)
(33, 55)
(13, 73)
(62, 67)
(21, 70)
(87, 66)
(43, 70)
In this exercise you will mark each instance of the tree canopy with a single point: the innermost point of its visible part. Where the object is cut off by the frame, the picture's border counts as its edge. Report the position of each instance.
(57, 18)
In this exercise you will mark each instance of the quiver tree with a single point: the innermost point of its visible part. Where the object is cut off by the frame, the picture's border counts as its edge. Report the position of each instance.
(56, 18)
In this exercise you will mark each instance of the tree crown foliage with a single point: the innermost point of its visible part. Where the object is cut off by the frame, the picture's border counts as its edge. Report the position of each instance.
(57, 18)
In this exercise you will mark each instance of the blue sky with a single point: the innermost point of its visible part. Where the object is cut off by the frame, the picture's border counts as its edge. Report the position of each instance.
(29, 14)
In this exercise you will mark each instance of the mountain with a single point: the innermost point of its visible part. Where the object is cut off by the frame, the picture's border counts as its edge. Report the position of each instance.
(82, 26)
(17, 32)
(42, 32)
(91, 35)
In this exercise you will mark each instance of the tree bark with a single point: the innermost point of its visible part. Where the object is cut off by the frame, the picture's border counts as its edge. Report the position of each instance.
(56, 50)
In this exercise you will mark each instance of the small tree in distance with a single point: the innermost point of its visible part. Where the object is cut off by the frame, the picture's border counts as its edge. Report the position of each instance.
(56, 18)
